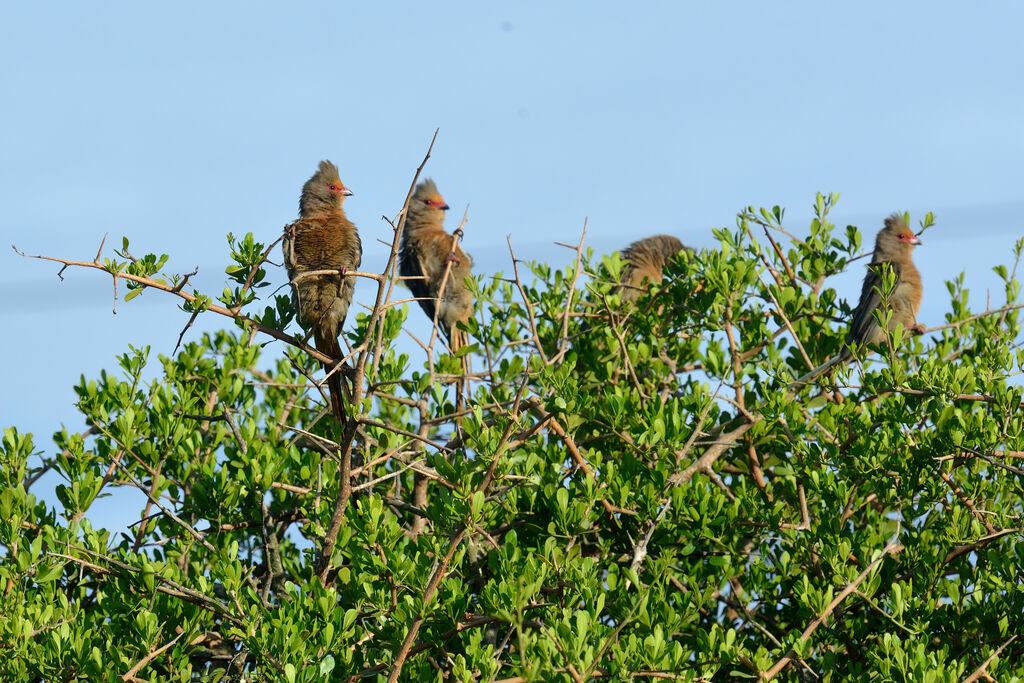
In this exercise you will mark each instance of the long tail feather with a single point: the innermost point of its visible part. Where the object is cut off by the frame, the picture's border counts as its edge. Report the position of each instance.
(824, 367)
(458, 340)
(328, 345)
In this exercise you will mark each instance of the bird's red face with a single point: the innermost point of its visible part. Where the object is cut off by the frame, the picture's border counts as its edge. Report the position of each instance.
(337, 188)
(435, 201)
(907, 237)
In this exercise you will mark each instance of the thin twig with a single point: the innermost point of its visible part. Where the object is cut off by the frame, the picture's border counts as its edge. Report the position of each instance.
(150, 657)
(563, 336)
(374, 330)
(454, 542)
(784, 661)
(213, 308)
(535, 337)
(981, 670)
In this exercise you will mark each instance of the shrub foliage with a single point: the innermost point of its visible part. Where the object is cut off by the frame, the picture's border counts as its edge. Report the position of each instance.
(616, 492)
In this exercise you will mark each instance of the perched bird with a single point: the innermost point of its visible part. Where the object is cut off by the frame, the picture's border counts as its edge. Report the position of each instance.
(893, 247)
(426, 252)
(323, 239)
(645, 260)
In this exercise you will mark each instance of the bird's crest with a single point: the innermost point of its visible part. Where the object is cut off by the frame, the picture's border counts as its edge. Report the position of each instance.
(328, 170)
(895, 222)
(426, 188)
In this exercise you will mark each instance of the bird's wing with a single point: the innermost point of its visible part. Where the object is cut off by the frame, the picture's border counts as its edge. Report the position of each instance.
(288, 246)
(864, 326)
(434, 252)
(355, 246)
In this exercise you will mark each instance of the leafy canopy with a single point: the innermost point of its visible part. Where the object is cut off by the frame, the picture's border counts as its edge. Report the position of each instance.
(627, 493)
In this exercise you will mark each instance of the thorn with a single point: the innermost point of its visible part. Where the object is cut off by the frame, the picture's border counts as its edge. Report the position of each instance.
(100, 251)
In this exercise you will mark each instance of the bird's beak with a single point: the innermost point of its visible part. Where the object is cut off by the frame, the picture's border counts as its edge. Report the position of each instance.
(444, 207)
(347, 192)
(914, 239)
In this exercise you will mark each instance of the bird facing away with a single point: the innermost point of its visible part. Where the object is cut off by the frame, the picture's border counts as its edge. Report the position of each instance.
(645, 260)
(893, 247)
(323, 239)
(426, 252)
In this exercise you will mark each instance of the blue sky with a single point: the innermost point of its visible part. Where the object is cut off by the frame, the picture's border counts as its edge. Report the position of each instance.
(176, 123)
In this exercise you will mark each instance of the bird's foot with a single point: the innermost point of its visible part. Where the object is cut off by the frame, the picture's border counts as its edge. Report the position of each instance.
(917, 329)
(453, 258)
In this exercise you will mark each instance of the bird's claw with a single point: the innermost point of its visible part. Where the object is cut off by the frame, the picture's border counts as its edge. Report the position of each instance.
(916, 329)
(453, 258)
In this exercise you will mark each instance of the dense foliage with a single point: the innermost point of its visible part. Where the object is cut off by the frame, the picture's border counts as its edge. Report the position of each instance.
(619, 492)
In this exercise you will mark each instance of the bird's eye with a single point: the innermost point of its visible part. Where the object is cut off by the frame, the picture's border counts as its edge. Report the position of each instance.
(333, 188)
(428, 202)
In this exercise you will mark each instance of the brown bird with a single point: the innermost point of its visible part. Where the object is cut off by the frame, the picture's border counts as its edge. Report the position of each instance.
(893, 247)
(323, 239)
(645, 260)
(426, 252)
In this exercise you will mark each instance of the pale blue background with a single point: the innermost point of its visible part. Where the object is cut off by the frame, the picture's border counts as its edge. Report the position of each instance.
(175, 123)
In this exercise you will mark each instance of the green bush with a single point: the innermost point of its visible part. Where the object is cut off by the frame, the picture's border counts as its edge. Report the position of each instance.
(628, 493)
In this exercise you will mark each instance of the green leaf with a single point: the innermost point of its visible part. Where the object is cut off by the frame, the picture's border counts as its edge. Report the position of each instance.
(50, 573)
(477, 504)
